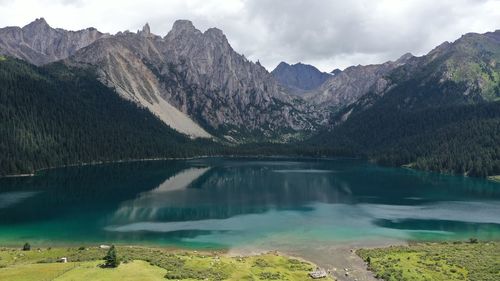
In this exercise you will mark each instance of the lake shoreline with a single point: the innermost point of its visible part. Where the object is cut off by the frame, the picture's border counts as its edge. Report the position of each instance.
(492, 178)
(97, 163)
(335, 258)
(171, 264)
(357, 263)
(354, 264)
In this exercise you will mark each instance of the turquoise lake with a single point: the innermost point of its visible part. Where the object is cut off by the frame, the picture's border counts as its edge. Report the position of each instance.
(268, 203)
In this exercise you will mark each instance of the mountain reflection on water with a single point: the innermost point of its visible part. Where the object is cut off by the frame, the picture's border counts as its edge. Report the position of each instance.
(236, 202)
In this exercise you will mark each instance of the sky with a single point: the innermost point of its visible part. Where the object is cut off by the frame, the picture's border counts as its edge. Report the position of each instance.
(328, 34)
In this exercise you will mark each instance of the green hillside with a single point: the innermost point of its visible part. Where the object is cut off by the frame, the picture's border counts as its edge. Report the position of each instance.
(439, 113)
(55, 115)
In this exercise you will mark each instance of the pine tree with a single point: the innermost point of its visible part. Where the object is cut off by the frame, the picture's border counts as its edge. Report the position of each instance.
(111, 260)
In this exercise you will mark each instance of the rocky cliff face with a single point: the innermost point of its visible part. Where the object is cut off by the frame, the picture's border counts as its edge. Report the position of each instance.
(207, 79)
(38, 43)
(299, 77)
(200, 76)
(124, 62)
(346, 87)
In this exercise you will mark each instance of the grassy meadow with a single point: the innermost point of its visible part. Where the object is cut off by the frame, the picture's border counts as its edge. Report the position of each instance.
(140, 263)
(477, 261)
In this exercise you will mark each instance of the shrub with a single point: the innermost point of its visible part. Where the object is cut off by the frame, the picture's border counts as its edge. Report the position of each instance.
(473, 240)
(261, 263)
(111, 260)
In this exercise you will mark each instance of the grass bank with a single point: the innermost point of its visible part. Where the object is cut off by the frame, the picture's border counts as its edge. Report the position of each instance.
(435, 261)
(495, 178)
(141, 263)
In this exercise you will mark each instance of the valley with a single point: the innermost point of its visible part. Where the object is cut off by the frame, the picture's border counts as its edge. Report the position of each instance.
(175, 152)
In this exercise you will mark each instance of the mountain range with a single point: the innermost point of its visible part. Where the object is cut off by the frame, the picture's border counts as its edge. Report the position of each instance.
(193, 88)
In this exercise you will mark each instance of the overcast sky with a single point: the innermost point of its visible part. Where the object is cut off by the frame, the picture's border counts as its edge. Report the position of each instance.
(326, 33)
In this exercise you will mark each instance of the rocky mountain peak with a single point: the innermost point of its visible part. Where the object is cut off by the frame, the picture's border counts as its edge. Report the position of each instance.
(336, 71)
(215, 33)
(282, 64)
(37, 26)
(39, 22)
(299, 77)
(38, 43)
(404, 58)
(146, 30)
(183, 26)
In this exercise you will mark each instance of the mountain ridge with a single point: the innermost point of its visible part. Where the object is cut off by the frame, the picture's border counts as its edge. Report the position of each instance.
(38, 43)
(203, 77)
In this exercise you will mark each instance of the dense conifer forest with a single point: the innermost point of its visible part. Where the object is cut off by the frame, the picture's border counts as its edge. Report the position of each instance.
(55, 115)
(457, 139)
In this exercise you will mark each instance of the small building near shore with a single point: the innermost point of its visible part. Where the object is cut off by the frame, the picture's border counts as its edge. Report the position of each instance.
(318, 273)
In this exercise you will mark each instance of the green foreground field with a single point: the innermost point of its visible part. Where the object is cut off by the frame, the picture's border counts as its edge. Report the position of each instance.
(435, 262)
(138, 263)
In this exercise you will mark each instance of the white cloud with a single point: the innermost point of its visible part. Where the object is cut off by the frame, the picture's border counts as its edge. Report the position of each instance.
(326, 33)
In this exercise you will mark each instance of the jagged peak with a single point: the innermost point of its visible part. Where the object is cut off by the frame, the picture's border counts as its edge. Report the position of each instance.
(183, 25)
(404, 58)
(39, 22)
(182, 28)
(299, 66)
(336, 71)
(216, 35)
(146, 29)
(215, 32)
(302, 65)
(281, 64)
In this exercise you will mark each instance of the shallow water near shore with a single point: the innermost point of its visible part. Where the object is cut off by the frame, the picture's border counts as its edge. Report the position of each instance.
(298, 206)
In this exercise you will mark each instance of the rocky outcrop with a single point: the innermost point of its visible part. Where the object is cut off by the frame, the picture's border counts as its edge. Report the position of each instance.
(38, 43)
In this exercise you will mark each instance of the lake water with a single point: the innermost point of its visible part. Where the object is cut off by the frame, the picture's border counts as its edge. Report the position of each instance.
(236, 203)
